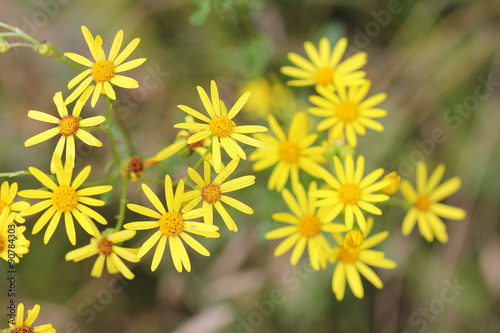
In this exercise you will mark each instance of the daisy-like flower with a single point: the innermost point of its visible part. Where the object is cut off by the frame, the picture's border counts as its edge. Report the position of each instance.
(104, 71)
(26, 326)
(345, 110)
(172, 226)
(11, 234)
(305, 226)
(325, 67)
(354, 256)
(69, 126)
(220, 126)
(7, 196)
(288, 153)
(214, 193)
(425, 206)
(108, 253)
(351, 192)
(66, 199)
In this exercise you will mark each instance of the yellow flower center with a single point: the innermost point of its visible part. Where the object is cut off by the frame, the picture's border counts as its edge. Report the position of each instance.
(309, 226)
(171, 224)
(393, 187)
(349, 194)
(347, 111)
(2, 243)
(324, 75)
(352, 243)
(211, 193)
(423, 203)
(23, 329)
(221, 126)
(69, 125)
(289, 152)
(3, 204)
(103, 71)
(105, 247)
(64, 198)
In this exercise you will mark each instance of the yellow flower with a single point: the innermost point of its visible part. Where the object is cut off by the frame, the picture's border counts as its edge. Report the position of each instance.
(306, 225)
(345, 110)
(108, 253)
(290, 153)
(353, 256)
(351, 192)
(68, 126)
(7, 196)
(426, 208)
(66, 199)
(325, 67)
(213, 193)
(220, 126)
(11, 234)
(104, 72)
(26, 326)
(268, 96)
(393, 187)
(172, 225)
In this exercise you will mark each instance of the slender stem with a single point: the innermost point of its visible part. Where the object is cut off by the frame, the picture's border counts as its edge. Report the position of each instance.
(152, 180)
(198, 163)
(123, 203)
(112, 144)
(126, 134)
(14, 174)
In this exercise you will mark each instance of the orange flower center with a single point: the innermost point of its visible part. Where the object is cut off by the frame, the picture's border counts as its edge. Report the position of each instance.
(349, 194)
(211, 193)
(352, 243)
(2, 243)
(289, 152)
(347, 111)
(171, 224)
(3, 204)
(23, 329)
(324, 75)
(423, 203)
(103, 71)
(221, 126)
(105, 247)
(64, 198)
(309, 226)
(69, 125)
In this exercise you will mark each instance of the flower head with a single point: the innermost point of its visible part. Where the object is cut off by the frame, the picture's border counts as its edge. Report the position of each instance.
(290, 153)
(306, 225)
(220, 126)
(353, 255)
(324, 67)
(351, 192)
(173, 225)
(64, 199)
(7, 196)
(104, 71)
(69, 127)
(214, 192)
(108, 253)
(26, 326)
(345, 110)
(12, 235)
(425, 206)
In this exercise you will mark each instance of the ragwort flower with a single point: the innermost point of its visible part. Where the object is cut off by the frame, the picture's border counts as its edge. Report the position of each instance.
(11, 234)
(26, 326)
(7, 196)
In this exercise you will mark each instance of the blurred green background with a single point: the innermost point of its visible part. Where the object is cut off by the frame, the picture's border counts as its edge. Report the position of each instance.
(439, 64)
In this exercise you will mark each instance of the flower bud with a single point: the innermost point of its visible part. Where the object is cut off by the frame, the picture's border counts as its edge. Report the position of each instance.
(44, 49)
(393, 187)
(4, 47)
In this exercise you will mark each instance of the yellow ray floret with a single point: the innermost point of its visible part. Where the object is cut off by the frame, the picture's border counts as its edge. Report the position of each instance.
(13, 243)
(65, 199)
(425, 207)
(173, 226)
(7, 196)
(220, 127)
(102, 71)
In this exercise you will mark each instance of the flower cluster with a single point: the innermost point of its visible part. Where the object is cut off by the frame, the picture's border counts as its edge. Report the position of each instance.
(334, 217)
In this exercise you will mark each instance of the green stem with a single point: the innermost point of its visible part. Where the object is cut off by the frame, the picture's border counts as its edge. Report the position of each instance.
(125, 132)
(14, 174)
(396, 202)
(123, 204)
(114, 150)
(152, 180)
(198, 163)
